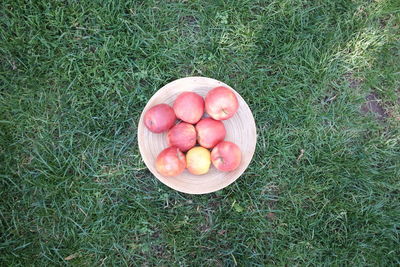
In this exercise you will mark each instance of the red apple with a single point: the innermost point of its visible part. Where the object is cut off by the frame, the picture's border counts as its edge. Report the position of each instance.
(171, 162)
(189, 107)
(226, 156)
(210, 132)
(183, 136)
(221, 103)
(159, 118)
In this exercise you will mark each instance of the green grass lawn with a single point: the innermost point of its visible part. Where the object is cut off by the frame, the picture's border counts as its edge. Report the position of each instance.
(321, 77)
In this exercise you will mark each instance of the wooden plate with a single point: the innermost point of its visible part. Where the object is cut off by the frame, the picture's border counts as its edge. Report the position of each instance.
(240, 129)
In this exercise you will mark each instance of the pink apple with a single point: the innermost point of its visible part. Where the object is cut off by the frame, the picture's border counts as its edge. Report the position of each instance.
(159, 118)
(183, 136)
(189, 107)
(221, 103)
(210, 132)
(226, 156)
(171, 162)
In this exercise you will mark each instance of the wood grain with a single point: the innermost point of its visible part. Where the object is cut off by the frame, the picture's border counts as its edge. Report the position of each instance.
(241, 129)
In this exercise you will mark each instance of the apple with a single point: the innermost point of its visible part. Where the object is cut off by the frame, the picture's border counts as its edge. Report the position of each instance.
(171, 162)
(183, 136)
(210, 132)
(159, 118)
(189, 107)
(198, 160)
(226, 156)
(221, 103)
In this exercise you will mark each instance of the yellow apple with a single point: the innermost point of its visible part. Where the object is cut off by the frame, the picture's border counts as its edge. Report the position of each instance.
(198, 160)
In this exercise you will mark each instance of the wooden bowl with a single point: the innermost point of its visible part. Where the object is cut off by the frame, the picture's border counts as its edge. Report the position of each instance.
(240, 129)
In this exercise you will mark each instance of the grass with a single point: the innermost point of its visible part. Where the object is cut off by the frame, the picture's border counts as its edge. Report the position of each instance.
(75, 75)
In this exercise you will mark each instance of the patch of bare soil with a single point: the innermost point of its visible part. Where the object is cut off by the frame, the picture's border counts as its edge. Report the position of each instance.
(375, 106)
